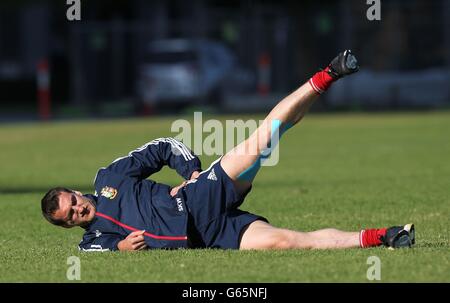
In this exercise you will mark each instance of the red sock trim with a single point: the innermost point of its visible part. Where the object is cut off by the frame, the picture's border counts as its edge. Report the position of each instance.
(371, 237)
(361, 235)
(321, 81)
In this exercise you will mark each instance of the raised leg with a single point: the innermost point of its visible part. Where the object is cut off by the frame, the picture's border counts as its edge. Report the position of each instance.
(285, 114)
(242, 162)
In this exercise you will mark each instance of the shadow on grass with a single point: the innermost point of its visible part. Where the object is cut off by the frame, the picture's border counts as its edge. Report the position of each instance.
(435, 244)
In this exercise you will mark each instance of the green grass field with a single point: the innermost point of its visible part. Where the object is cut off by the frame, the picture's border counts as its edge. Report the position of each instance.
(346, 171)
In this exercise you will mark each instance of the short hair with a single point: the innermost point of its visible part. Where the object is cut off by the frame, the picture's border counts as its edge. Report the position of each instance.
(50, 204)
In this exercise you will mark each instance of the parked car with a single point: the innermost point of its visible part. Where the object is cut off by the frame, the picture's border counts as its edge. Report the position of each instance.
(181, 71)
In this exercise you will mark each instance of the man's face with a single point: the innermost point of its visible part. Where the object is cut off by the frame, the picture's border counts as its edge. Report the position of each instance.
(74, 209)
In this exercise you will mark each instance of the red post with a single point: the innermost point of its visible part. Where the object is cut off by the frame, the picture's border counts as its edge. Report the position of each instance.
(43, 90)
(264, 74)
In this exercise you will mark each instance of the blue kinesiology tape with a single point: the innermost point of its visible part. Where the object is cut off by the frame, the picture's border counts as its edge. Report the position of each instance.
(275, 134)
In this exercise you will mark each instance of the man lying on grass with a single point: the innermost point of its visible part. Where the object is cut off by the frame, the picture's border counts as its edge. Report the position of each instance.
(129, 212)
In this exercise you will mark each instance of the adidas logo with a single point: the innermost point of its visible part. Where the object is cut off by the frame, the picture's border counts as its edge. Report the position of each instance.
(212, 175)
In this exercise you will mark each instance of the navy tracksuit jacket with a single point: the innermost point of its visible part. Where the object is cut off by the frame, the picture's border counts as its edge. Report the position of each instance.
(127, 202)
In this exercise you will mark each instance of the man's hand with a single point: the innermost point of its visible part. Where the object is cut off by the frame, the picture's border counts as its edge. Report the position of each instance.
(134, 241)
(195, 175)
(175, 190)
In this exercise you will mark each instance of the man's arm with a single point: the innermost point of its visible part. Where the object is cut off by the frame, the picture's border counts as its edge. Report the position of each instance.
(104, 242)
(151, 157)
(100, 242)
